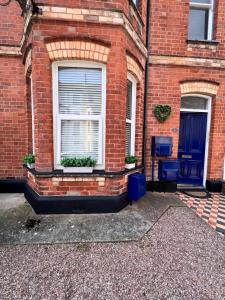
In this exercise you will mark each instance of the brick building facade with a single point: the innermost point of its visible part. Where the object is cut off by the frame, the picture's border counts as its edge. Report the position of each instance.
(62, 50)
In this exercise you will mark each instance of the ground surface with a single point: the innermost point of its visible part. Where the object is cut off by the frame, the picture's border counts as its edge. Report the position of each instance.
(20, 225)
(209, 207)
(181, 257)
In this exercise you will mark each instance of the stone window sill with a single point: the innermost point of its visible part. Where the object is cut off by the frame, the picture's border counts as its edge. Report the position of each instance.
(203, 44)
(96, 173)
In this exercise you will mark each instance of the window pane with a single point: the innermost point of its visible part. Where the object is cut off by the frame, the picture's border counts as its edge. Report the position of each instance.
(198, 24)
(80, 91)
(129, 100)
(79, 138)
(201, 1)
(194, 103)
(128, 139)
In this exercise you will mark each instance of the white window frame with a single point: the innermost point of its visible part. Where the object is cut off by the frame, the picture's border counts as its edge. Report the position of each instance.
(32, 113)
(210, 7)
(132, 79)
(224, 169)
(57, 117)
(208, 110)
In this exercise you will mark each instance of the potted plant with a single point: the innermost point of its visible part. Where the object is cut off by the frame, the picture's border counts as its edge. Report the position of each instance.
(29, 161)
(78, 165)
(130, 162)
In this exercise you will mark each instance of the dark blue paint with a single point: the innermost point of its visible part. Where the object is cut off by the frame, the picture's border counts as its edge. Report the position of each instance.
(191, 152)
(136, 186)
(168, 170)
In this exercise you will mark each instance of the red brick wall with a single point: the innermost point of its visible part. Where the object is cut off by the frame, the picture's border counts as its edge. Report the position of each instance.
(169, 29)
(116, 90)
(13, 119)
(11, 24)
(78, 186)
(164, 87)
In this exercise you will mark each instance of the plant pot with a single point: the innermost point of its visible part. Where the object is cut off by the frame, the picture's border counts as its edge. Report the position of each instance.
(130, 166)
(31, 166)
(78, 169)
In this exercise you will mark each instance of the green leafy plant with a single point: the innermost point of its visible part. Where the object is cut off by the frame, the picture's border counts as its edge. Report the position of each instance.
(131, 159)
(29, 159)
(162, 112)
(78, 162)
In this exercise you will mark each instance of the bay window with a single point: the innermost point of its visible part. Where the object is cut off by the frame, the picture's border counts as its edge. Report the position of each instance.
(201, 20)
(130, 115)
(79, 90)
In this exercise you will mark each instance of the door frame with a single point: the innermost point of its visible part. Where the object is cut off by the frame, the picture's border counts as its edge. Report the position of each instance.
(208, 127)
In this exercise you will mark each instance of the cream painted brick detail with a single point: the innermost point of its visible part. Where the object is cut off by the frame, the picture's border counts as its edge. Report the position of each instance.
(187, 61)
(73, 193)
(89, 179)
(57, 179)
(69, 179)
(96, 16)
(9, 50)
(100, 179)
(55, 183)
(28, 62)
(101, 183)
(77, 50)
(211, 47)
(134, 68)
(199, 88)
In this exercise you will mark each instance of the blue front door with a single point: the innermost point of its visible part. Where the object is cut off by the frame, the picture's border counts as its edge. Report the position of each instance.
(191, 151)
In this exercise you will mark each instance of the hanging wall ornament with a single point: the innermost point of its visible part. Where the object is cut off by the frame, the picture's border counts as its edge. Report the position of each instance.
(162, 112)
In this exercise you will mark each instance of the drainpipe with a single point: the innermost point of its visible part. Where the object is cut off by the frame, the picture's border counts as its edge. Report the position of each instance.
(148, 23)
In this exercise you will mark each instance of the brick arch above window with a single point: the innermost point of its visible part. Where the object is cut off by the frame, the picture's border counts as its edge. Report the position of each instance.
(133, 67)
(81, 50)
(199, 87)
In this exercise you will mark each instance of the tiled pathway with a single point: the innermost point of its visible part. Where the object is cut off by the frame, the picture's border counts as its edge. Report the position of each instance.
(211, 210)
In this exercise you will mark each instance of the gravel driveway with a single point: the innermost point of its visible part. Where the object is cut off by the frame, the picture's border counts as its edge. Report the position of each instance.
(181, 257)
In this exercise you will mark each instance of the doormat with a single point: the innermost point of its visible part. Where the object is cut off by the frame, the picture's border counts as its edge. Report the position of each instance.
(202, 194)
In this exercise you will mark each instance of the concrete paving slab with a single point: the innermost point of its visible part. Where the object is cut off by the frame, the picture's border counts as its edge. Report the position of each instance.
(8, 201)
(20, 225)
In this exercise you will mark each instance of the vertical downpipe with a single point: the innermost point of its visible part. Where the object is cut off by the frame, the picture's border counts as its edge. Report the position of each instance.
(145, 124)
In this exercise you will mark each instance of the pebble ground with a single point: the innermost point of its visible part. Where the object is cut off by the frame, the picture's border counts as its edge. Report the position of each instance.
(181, 257)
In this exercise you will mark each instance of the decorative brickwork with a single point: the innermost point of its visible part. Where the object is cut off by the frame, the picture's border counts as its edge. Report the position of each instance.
(10, 51)
(78, 50)
(93, 16)
(187, 61)
(79, 186)
(134, 68)
(204, 88)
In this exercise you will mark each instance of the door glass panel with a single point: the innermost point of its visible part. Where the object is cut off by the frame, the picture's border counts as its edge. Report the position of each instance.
(194, 103)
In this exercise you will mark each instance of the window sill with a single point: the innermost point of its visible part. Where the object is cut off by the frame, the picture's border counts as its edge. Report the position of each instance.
(203, 44)
(96, 173)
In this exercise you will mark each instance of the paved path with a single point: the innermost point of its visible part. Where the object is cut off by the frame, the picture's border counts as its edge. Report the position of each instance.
(181, 257)
(211, 208)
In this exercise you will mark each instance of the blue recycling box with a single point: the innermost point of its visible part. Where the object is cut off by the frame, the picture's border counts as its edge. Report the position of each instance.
(168, 170)
(136, 186)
